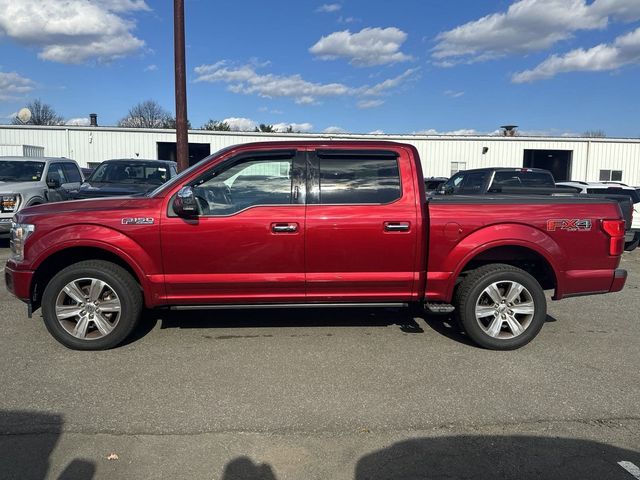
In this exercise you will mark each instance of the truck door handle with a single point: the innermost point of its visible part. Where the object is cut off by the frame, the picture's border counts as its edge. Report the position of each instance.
(284, 227)
(397, 226)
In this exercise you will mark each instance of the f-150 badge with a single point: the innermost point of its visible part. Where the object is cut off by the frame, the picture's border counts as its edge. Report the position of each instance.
(569, 225)
(138, 221)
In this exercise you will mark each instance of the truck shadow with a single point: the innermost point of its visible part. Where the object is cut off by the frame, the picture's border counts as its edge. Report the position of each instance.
(27, 440)
(279, 318)
(475, 456)
(406, 320)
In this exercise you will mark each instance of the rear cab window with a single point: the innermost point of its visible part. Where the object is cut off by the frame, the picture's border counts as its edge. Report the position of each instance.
(358, 179)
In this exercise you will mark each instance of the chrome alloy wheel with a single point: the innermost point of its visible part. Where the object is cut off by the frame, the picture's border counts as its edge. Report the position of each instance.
(504, 310)
(88, 308)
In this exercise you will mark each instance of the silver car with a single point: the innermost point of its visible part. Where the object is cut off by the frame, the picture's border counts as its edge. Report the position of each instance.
(27, 181)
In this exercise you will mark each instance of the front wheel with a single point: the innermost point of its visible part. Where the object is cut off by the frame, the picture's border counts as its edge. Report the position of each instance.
(500, 307)
(91, 305)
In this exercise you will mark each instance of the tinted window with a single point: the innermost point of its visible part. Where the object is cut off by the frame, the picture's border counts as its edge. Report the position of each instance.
(358, 181)
(246, 184)
(72, 173)
(473, 183)
(57, 168)
(522, 179)
(20, 171)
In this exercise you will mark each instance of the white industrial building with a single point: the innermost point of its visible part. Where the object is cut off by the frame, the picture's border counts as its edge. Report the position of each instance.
(590, 159)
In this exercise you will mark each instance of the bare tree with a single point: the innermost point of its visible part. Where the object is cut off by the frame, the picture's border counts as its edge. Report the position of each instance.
(216, 126)
(41, 114)
(265, 128)
(594, 134)
(147, 114)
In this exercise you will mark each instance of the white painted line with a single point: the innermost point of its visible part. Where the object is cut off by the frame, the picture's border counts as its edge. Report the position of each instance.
(631, 468)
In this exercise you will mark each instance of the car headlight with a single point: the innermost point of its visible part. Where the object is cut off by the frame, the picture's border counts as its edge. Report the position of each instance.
(9, 203)
(19, 234)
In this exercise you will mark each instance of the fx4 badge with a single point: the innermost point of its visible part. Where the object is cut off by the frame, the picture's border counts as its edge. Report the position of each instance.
(138, 221)
(570, 225)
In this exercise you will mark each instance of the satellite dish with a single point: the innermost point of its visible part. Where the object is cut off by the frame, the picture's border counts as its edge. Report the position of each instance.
(24, 115)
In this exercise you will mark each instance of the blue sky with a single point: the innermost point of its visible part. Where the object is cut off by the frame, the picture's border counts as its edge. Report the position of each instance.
(550, 66)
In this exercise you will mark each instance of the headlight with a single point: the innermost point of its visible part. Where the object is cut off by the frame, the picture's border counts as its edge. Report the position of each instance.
(9, 203)
(19, 234)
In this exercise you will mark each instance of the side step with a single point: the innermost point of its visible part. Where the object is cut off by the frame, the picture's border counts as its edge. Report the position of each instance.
(439, 308)
(231, 306)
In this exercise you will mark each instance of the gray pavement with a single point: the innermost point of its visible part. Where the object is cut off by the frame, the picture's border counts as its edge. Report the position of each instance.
(352, 394)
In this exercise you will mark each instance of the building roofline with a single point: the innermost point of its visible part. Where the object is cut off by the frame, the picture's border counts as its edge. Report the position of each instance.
(324, 136)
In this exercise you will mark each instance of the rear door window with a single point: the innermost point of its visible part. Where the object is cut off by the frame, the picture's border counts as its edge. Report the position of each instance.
(359, 180)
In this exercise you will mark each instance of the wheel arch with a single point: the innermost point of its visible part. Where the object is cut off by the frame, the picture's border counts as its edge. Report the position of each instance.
(64, 257)
(528, 256)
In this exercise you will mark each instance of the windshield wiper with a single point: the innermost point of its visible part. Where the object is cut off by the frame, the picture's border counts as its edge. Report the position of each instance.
(8, 179)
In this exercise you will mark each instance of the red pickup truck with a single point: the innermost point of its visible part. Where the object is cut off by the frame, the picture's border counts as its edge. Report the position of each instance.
(310, 224)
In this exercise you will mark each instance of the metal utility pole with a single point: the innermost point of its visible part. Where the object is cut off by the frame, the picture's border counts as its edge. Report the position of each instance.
(182, 141)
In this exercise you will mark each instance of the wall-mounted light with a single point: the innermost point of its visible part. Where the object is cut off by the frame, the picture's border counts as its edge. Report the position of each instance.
(485, 150)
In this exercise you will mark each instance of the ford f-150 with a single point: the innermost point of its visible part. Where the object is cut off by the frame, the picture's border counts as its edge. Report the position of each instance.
(310, 224)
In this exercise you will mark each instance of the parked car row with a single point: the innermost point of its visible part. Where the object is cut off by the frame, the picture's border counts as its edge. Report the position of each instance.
(528, 181)
(28, 181)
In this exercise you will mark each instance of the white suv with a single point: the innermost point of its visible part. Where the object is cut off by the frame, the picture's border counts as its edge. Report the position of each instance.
(632, 237)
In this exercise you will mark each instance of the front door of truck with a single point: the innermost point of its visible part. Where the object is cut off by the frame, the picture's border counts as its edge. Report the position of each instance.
(361, 227)
(247, 244)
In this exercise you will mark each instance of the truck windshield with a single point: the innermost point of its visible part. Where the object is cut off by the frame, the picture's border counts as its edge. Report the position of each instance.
(129, 172)
(20, 171)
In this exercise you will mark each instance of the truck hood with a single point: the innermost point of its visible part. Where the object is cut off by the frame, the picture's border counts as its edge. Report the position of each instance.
(77, 207)
(97, 190)
(17, 187)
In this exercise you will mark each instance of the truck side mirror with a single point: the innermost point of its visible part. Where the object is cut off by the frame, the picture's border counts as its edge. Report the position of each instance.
(53, 180)
(185, 204)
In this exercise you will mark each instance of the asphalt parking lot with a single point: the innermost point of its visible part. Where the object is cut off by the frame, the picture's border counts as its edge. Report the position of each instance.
(353, 394)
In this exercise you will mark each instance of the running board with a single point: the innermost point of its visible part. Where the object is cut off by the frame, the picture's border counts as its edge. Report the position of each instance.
(287, 305)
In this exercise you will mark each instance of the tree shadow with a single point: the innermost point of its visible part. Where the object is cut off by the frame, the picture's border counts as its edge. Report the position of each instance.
(27, 440)
(476, 457)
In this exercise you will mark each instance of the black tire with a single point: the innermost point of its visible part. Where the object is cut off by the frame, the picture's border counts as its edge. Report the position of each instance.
(470, 291)
(117, 279)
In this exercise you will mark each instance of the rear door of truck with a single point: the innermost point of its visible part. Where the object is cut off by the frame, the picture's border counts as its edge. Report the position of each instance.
(361, 226)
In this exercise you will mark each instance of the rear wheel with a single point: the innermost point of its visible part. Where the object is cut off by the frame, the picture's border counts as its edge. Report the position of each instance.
(91, 305)
(500, 307)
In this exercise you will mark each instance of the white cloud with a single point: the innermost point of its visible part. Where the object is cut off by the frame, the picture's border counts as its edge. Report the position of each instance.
(624, 50)
(241, 124)
(370, 103)
(389, 84)
(244, 79)
(377, 132)
(73, 31)
(342, 19)
(528, 26)
(462, 131)
(14, 86)
(369, 46)
(328, 8)
(296, 127)
(151, 68)
(334, 129)
(453, 93)
(80, 121)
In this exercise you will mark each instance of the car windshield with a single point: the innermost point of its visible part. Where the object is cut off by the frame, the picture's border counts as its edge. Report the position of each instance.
(20, 171)
(130, 172)
(187, 171)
